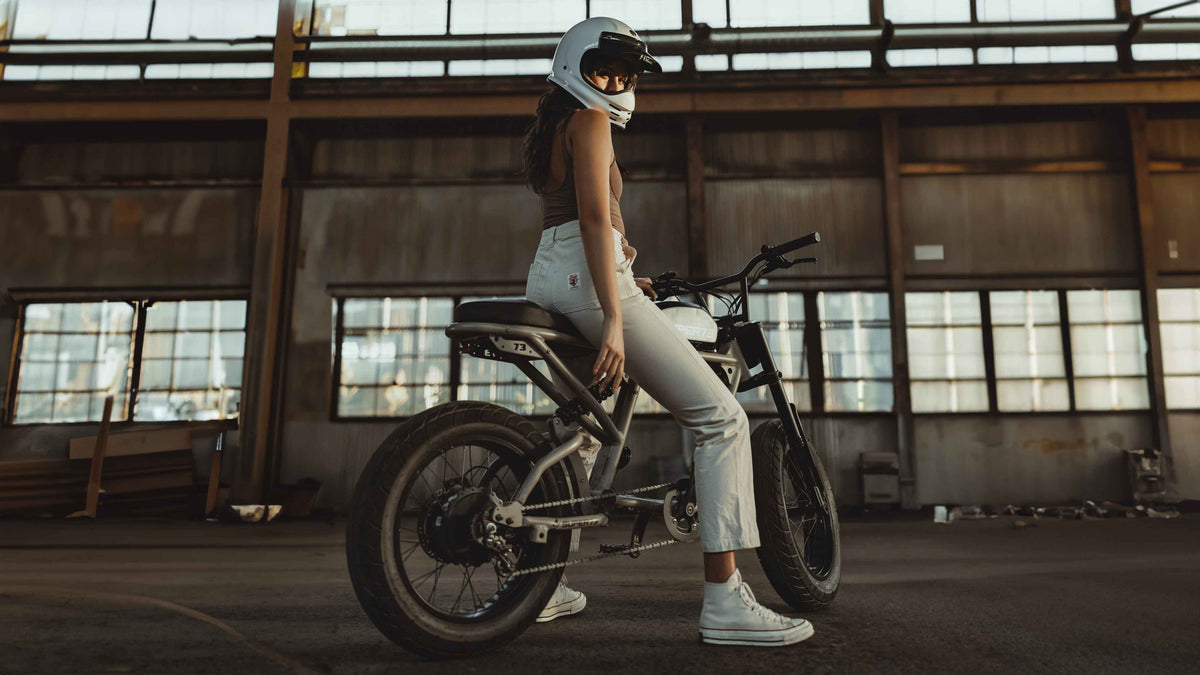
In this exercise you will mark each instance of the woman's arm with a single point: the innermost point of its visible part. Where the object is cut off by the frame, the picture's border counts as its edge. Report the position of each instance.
(589, 134)
(592, 152)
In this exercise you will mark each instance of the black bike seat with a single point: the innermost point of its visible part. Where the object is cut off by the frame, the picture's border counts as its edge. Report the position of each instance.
(515, 310)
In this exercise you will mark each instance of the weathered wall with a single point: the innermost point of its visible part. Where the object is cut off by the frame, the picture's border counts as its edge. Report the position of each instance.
(64, 231)
(1025, 459)
(1185, 447)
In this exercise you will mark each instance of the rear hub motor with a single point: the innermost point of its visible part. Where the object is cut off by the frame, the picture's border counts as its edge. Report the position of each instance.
(449, 527)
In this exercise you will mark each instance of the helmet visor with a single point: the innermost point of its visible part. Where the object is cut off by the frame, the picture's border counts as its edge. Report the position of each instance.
(627, 48)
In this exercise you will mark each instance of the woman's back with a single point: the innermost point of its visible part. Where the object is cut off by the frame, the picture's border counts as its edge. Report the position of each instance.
(558, 203)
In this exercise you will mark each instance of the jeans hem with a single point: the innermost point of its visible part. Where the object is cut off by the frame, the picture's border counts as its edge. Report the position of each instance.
(731, 544)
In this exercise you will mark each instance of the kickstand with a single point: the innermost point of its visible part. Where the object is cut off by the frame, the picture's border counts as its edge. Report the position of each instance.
(635, 539)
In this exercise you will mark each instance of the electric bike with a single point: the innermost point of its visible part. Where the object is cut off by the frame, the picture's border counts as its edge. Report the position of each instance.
(460, 524)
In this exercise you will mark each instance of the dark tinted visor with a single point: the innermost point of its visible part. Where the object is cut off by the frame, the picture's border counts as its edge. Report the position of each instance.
(629, 49)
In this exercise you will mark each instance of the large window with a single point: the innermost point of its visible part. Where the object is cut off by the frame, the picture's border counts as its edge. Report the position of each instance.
(1179, 323)
(856, 342)
(945, 352)
(1108, 350)
(1027, 341)
(74, 354)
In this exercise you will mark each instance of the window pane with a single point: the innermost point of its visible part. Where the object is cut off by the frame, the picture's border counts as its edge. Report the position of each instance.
(1143, 6)
(395, 356)
(1108, 350)
(1182, 392)
(750, 13)
(711, 12)
(1027, 344)
(856, 346)
(1179, 326)
(515, 16)
(991, 11)
(1111, 393)
(642, 14)
(71, 354)
(213, 19)
(801, 60)
(945, 352)
(192, 360)
(949, 396)
(928, 11)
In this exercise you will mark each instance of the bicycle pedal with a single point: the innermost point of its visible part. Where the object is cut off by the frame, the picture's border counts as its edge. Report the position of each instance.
(614, 548)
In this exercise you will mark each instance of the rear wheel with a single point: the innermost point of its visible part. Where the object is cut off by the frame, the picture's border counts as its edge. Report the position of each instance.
(415, 540)
(797, 520)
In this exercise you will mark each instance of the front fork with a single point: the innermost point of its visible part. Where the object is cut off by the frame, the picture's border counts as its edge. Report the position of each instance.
(753, 344)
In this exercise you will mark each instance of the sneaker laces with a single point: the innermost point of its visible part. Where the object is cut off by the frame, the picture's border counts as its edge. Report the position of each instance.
(752, 602)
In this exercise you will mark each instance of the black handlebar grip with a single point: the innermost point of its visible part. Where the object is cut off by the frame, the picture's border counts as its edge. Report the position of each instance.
(807, 240)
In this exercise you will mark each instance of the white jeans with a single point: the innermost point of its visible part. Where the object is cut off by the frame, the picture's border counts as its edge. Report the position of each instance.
(664, 364)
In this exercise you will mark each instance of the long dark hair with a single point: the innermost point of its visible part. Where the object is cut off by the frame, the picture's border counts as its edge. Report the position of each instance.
(552, 107)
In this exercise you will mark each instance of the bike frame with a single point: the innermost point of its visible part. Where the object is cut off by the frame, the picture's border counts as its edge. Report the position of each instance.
(512, 343)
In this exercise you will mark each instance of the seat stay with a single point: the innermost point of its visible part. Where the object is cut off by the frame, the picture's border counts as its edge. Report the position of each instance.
(607, 432)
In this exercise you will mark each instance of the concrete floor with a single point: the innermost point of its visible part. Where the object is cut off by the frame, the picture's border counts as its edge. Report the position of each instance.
(973, 596)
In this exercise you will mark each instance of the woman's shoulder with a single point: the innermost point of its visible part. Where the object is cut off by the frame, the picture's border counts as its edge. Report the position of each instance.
(589, 123)
(590, 127)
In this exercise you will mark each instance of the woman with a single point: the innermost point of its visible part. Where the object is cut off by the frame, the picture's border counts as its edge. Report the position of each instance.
(582, 270)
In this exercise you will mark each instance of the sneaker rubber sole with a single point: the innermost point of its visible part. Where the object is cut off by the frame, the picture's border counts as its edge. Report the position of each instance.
(567, 608)
(757, 638)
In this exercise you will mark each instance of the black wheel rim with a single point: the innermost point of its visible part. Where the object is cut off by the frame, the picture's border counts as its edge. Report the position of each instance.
(461, 590)
(809, 513)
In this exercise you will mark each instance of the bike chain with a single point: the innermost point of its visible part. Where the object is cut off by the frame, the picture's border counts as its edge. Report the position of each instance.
(580, 500)
(598, 556)
(590, 558)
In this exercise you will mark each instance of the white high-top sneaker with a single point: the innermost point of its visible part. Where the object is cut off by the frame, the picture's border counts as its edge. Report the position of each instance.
(565, 602)
(731, 616)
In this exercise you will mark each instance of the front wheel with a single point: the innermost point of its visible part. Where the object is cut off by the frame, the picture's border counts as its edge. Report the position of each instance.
(417, 546)
(797, 520)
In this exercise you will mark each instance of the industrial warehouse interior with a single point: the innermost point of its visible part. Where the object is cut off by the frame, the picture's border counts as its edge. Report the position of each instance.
(291, 366)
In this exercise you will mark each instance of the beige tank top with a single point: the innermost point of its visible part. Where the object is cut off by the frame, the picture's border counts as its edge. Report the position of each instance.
(559, 205)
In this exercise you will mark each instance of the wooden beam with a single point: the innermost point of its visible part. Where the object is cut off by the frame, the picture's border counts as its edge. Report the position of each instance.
(674, 101)
(889, 129)
(1005, 166)
(697, 216)
(266, 292)
(1147, 238)
(92, 500)
(1175, 166)
(86, 111)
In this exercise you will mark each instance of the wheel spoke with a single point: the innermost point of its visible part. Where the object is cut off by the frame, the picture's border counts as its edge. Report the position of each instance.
(436, 576)
(407, 554)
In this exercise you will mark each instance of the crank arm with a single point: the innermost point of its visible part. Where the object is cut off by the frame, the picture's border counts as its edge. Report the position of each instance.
(640, 503)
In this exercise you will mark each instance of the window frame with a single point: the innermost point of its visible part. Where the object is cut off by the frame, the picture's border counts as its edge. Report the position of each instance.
(140, 301)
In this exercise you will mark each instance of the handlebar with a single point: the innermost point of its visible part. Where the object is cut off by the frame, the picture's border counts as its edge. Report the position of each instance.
(799, 242)
(667, 284)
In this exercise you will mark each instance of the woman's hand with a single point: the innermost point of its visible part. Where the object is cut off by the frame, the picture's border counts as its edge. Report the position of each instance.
(645, 284)
(610, 365)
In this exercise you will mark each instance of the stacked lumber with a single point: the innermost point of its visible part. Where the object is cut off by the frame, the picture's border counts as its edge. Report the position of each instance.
(144, 473)
(38, 486)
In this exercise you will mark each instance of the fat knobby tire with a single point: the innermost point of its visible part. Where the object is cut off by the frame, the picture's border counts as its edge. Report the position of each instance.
(781, 557)
(395, 612)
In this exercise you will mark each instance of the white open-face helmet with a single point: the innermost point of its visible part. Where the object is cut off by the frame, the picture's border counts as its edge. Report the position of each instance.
(600, 39)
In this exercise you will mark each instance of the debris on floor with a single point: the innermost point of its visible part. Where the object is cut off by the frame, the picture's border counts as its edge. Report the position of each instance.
(1086, 510)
